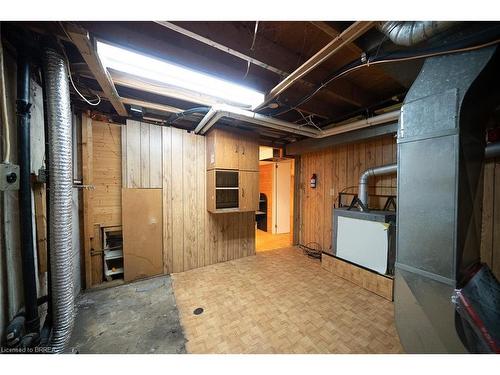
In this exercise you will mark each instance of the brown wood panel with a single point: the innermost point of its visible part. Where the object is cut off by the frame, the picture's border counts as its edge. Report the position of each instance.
(167, 199)
(142, 233)
(107, 171)
(248, 151)
(177, 201)
(490, 233)
(222, 149)
(378, 284)
(249, 190)
(41, 226)
(96, 255)
(189, 199)
(87, 177)
(144, 155)
(133, 154)
(338, 169)
(192, 237)
(495, 262)
(155, 156)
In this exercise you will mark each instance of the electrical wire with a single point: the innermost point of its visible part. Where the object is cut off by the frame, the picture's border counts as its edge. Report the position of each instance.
(370, 62)
(3, 99)
(252, 47)
(70, 74)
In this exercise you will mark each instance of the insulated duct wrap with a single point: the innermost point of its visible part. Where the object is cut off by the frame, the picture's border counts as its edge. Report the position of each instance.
(409, 33)
(60, 180)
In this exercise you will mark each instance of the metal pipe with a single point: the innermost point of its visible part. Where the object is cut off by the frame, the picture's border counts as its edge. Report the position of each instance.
(61, 182)
(409, 33)
(361, 124)
(371, 172)
(216, 113)
(25, 207)
(492, 150)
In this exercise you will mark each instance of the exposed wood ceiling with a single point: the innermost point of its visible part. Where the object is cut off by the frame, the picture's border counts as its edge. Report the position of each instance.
(282, 45)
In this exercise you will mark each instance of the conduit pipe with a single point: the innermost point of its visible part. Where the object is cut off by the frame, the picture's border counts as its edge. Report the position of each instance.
(372, 172)
(218, 112)
(409, 33)
(61, 182)
(361, 124)
(25, 206)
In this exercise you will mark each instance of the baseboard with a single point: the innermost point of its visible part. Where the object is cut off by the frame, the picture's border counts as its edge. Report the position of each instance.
(379, 284)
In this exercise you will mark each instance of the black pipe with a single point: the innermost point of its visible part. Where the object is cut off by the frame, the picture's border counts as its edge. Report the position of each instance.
(25, 207)
(197, 110)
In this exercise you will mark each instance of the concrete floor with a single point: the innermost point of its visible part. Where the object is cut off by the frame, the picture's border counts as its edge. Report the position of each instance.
(140, 317)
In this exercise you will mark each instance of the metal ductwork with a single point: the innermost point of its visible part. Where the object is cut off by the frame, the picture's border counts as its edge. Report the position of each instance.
(409, 33)
(61, 180)
(372, 172)
(492, 150)
(441, 149)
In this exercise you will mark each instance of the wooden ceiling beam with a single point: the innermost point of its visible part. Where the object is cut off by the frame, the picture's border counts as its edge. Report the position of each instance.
(345, 91)
(334, 33)
(86, 47)
(347, 36)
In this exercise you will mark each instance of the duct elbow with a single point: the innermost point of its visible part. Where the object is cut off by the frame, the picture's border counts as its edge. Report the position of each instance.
(409, 33)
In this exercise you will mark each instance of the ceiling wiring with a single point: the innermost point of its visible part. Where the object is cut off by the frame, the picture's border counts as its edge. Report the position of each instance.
(371, 61)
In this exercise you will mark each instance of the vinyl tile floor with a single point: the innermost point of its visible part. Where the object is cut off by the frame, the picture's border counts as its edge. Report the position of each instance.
(281, 301)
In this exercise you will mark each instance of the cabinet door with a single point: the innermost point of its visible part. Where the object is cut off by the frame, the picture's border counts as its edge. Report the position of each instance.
(249, 191)
(248, 152)
(222, 149)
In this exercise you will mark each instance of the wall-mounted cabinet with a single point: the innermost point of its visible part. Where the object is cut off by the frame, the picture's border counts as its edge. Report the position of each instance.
(232, 191)
(232, 149)
(232, 171)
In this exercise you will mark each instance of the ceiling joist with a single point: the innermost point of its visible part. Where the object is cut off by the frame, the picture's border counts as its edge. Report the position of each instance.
(345, 91)
(347, 36)
(86, 47)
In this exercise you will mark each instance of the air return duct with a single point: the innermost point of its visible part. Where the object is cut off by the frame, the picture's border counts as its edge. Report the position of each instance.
(60, 177)
(441, 147)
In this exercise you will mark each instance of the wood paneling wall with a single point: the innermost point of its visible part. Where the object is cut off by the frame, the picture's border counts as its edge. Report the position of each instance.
(101, 168)
(338, 168)
(266, 187)
(490, 235)
(142, 163)
(192, 237)
(107, 165)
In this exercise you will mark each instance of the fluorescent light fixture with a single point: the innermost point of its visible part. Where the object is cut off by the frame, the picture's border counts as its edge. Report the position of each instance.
(140, 65)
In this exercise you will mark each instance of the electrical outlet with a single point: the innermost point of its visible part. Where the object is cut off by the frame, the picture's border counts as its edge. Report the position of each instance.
(332, 192)
(9, 177)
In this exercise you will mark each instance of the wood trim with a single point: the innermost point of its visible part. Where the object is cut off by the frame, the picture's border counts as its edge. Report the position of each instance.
(41, 226)
(296, 201)
(81, 39)
(87, 179)
(375, 283)
(347, 36)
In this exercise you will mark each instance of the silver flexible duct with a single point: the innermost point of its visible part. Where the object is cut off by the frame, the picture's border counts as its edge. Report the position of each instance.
(409, 33)
(370, 172)
(60, 179)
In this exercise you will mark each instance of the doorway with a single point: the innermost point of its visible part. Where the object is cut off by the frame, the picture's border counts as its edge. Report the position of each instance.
(274, 227)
